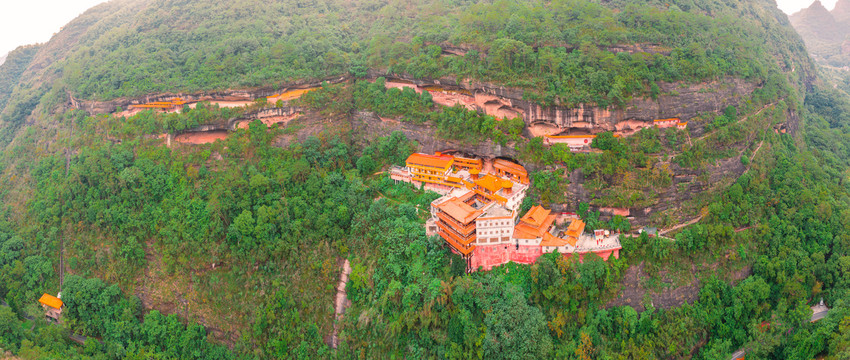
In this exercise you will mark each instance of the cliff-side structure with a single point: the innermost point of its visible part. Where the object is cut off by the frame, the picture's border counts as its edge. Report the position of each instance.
(477, 214)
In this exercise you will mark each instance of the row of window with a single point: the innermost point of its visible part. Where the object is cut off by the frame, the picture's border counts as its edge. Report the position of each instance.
(420, 171)
(493, 232)
(493, 240)
(496, 223)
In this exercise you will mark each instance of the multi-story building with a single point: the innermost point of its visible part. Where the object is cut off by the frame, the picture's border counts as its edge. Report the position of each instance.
(465, 163)
(495, 230)
(511, 170)
(477, 215)
(432, 171)
(455, 220)
(502, 191)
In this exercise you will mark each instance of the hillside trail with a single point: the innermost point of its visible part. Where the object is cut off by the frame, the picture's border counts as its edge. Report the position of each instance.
(677, 227)
(340, 302)
(756, 152)
(694, 221)
(763, 108)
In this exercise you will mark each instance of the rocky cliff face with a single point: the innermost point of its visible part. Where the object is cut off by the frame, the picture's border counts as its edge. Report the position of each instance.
(102, 107)
(683, 101)
(677, 100)
(366, 125)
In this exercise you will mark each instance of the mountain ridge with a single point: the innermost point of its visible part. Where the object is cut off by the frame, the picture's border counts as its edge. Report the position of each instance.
(199, 172)
(825, 32)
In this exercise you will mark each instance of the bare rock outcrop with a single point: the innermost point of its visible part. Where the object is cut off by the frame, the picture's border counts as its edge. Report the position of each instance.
(101, 107)
(366, 125)
(684, 101)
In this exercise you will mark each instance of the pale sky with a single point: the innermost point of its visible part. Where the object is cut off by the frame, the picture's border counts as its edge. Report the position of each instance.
(792, 6)
(24, 22)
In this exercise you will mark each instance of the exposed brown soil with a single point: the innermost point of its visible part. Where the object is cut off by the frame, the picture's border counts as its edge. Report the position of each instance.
(439, 95)
(451, 99)
(226, 104)
(289, 95)
(537, 130)
(677, 227)
(7, 355)
(497, 106)
(129, 112)
(401, 85)
(205, 137)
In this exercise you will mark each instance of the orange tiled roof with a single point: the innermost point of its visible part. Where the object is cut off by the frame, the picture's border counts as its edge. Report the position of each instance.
(570, 136)
(525, 230)
(459, 210)
(468, 160)
(489, 182)
(576, 228)
(507, 165)
(551, 240)
(441, 162)
(536, 215)
(51, 301)
(670, 119)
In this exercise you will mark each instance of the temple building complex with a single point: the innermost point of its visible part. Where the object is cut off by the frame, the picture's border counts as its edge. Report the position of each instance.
(477, 214)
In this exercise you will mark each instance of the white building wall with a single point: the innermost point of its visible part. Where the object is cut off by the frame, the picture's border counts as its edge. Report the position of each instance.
(488, 230)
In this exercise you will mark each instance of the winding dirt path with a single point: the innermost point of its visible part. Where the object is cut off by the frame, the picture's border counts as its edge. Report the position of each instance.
(763, 108)
(677, 227)
(341, 302)
(756, 152)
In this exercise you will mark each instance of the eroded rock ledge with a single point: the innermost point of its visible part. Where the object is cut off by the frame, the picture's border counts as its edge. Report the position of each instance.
(684, 101)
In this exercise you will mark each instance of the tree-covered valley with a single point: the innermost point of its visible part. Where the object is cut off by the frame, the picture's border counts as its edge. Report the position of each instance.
(233, 249)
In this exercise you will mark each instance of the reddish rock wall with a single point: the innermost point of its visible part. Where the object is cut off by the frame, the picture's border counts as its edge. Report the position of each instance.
(676, 101)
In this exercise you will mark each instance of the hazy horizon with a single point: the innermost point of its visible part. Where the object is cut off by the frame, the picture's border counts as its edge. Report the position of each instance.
(35, 21)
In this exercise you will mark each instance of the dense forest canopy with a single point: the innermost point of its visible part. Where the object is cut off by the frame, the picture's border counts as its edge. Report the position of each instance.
(233, 249)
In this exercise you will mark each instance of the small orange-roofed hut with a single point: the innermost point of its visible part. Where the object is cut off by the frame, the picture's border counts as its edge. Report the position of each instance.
(52, 305)
(574, 231)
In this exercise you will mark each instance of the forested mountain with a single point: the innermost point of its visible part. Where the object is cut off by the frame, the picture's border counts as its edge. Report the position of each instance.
(165, 244)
